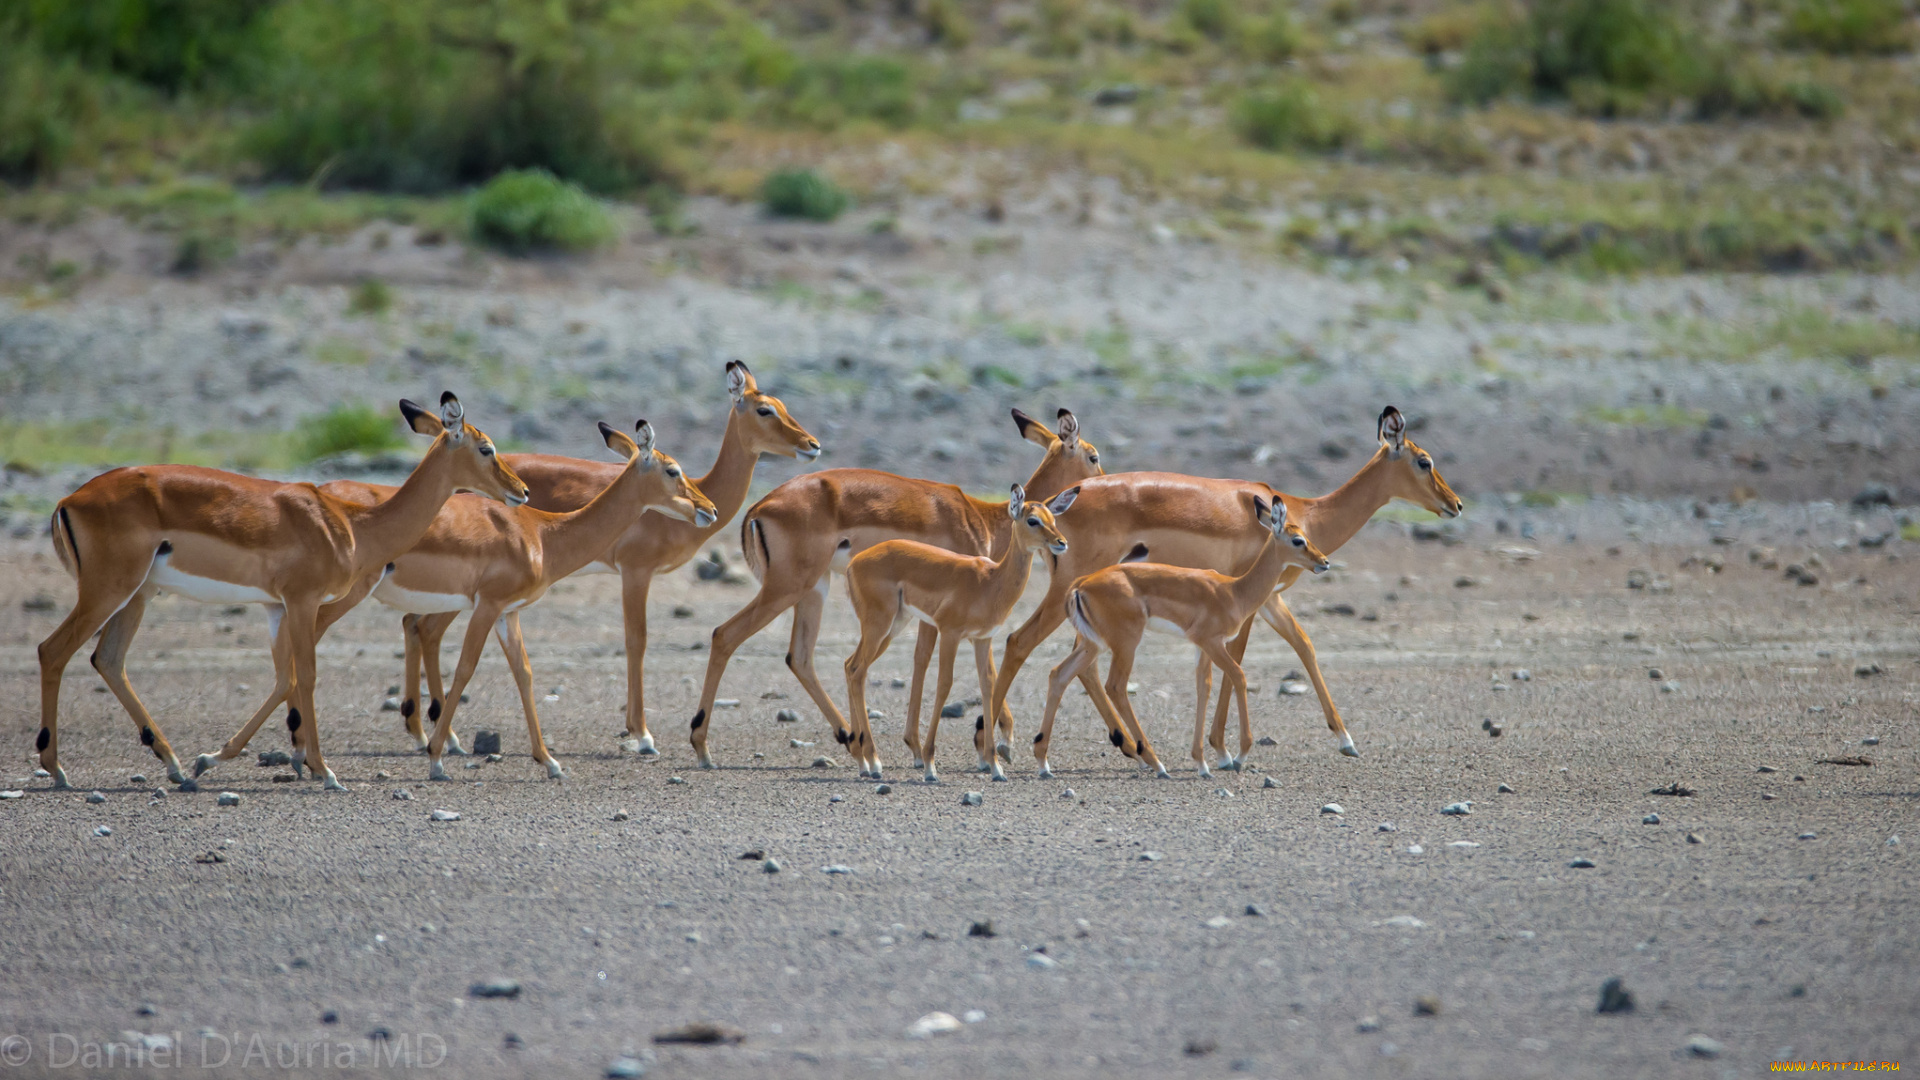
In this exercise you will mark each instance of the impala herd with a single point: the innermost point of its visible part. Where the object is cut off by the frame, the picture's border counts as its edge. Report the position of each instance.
(1127, 553)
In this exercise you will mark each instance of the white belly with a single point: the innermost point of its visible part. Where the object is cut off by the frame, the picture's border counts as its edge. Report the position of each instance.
(921, 615)
(601, 567)
(206, 590)
(1165, 626)
(420, 603)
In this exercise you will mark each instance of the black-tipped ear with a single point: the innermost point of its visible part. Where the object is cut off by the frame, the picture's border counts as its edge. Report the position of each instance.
(1393, 428)
(415, 415)
(606, 430)
(1069, 426)
(446, 396)
(1034, 431)
(1063, 502)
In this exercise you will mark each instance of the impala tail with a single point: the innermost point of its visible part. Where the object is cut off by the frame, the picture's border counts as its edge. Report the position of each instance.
(1077, 611)
(64, 545)
(753, 547)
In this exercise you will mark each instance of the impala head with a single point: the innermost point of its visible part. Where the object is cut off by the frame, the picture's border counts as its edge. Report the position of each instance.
(667, 488)
(1294, 545)
(1033, 524)
(763, 418)
(1413, 475)
(476, 467)
(1070, 458)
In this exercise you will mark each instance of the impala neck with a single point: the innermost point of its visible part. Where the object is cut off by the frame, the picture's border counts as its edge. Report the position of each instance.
(572, 540)
(1010, 570)
(1252, 588)
(1334, 518)
(730, 478)
(388, 528)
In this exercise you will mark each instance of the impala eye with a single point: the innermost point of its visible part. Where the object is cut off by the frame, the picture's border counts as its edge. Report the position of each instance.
(1299, 542)
(764, 411)
(1033, 523)
(486, 451)
(1426, 463)
(1093, 459)
(673, 471)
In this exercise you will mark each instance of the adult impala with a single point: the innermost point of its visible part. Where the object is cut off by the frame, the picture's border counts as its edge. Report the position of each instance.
(963, 597)
(1112, 609)
(496, 562)
(131, 534)
(803, 530)
(1202, 523)
(757, 424)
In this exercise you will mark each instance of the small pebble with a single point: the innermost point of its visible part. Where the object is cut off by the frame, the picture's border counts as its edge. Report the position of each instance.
(41, 774)
(1224, 793)
(726, 703)
(883, 789)
(822, 763)
(1255, 911)
(836, 869)
(1416, 849)
(693, 937)
(392, 704)
(1458, 809)
(1614, 997)
(973, 1016)
(1388, 826)
(876, 714)
(1522, 675)
(787, 716)
(402, 793)
(1333, 808)
(329, 1017)
(1269, 782)
(836, 798)
(1068, 794)
(1368, 1025)
(494, 988)
(445, 815)
(1765, 768)
(1650, 819)
(626, 1068)
(1809, 836)
(1266, 740)
(1893, 841)
(272, 758)
(1701, 1046)
(1581, 864)
(1149, 856)
(798, 743)
(1042, 962)
(103, 831)
(1464, 844)
(621, 815)
(1694, 838)
(1426, 1006)
(934, 1023)
(1504, 789)
(1768, 796)
(139, 778)
(229, 798)
(1655, 673)
(971, 798)
(771, 866)
(676, 780)
(381, 1034)
(96, 797)
(382, 775)
(16, 794)
(1871, 740)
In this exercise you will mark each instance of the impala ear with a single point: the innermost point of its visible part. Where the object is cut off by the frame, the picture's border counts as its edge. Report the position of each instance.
(452, 416)
(643, 436)
(420, 420)
(617, 441)
(1393, 430)
(739, 381)
(1262, 511)
(1069, 428)
(1278, 514)
(1063, 502)
(1033, 430)
(1017, 503)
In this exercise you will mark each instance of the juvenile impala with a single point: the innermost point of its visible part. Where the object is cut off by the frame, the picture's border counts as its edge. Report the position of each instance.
(1111, 609)
(1202, 523)
(477, 557)
(963, 597)
(131, 534)
(811, 525)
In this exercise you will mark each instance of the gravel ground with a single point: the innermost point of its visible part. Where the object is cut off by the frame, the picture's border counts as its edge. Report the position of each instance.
(1772, 945)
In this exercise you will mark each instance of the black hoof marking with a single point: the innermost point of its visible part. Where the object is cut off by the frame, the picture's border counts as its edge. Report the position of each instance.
(293, 720)
(842, 737)
(699, 719)
(433, 710)
(1115, 736)
(146, 736)
(979, 723)
(46, 736)
(406, 709)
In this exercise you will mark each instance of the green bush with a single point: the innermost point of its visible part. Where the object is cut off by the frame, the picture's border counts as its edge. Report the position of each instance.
(43, 103)
(1730, 89)
(1848, 26)
(370, 297)
(1290, 117)
(1274, 39)
(1498, 62)
(533, 210)
(1213, 18)
(345, 428)
(829, 92)
(1609, 57)
(172, 44)
(803, 193)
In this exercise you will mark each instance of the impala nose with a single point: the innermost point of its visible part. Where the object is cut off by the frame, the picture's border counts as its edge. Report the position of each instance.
(1058, 547)
(811, 451)
(1321, 566)
(703, 518)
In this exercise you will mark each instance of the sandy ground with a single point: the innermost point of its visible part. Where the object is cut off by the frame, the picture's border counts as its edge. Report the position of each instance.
(1786, 933)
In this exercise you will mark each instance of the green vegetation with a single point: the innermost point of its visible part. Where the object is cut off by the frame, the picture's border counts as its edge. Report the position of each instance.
(370, 297)
(1848, 26)
(104, 443)
(345, 428)
(803, 193)
(1290, 117)
(532, 210)
(1801, 334)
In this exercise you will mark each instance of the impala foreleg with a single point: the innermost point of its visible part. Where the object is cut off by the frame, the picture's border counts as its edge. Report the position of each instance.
(1118, 671)
(1020, 645)
(1203, 695)
(433, 631)
(766, 605)
(634, 587)
(1237, 648)
(1077, 664)
(942, 686)
(303, 725)
(410, 711)
(923, 644)
(1278, 616)
(800, 648)
(1233, 680)
(482, 620)
(110, 660)
(514, 648)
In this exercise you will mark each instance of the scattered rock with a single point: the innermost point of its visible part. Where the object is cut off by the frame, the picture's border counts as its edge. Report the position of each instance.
(1223, 793)
(621, 815)
(934, 1023)
(1868, 671)
(798, 744)
(1871, 740)
(486, 742)
(392, 704)
(1522, 675)
(1504, 789)
(16, 794)
(1614, 997)
(1873, 495)
(822, 763)
(1701, 1046)
(973, 1016)
(1426, 1006)
(1809, 836)
(1269, 782)
(1149, 856)
(1388, 826)
(1675, 789)
(983, 928)
(139, 778)
(676, 779)
(1255, 911)
(330, 1017)
(402, 794)
(625, 1068)
(1368, 1025)
(1042, 962)
(1852, 760)
(836, 868)
(445, 815)
(229, 798)
(683, 611)
(971, 798)
(1333, 808)
(1200, 1047)
(701, 1034)
(1266, 740)
(787, 716)
(1293, 688)
(1219, 922)
(1458, 809)
(1800, 575)
(275, 758)
(1694, 838)
(210, 858)
(1463, 582)
(836, 798)
(1404, 921)
(1068, 794)
(1416, 849)
(1650, 819)
(494, 988)
(96, 797)
(1494, 731)
(883, 789)
(382, 775)
(1464, 844)
(103, 831)
(1581, 864)
(1765, 768)
(770, 866)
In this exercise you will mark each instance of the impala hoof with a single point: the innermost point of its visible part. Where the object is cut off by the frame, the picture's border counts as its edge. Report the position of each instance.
(644, 745)
(204, 762)
(1204, 771)
(1160, 773)
(999, 774)
(1046, 771)
(1348, 750)
(1003, 750)
(932, 777)
(554, 771)
(454, 747)
(707, 762)
(60, 779)
(188, 783)
(332, 783)
(1229, 763)
(435, 772)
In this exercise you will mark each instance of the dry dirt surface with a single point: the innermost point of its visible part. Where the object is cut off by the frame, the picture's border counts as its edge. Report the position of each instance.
(1140, 927)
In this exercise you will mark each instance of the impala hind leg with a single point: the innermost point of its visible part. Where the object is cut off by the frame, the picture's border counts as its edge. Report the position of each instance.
(1236, 648)
(433, 632)
(942, 686)
(282, 682)
(1280, 617)
(1078, 663)
(876, 634)
(300, 626)
(514, 648)
(482, 620)
(923, 644)
(410, 711)
(1020, 644)
(1203, 696)
(800, 648)
(108, 589)
(983, 669)
(110, 660)
(766, 605)
(634, 586)
(1118, 671)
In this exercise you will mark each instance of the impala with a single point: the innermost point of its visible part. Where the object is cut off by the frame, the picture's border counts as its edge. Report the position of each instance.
(1201, 523)
(131, 534)
(494, 563)
(812, 525)
(963, 597)
(1111, 609)
(757, 424)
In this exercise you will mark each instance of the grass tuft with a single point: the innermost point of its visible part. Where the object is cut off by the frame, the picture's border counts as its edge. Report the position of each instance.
(345, 428)
(803, 193)
(532, 210)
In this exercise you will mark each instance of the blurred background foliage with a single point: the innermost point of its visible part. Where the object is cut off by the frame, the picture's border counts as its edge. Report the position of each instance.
(628, 98)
